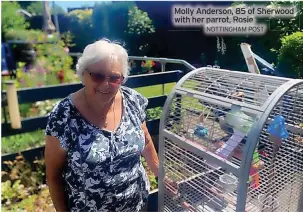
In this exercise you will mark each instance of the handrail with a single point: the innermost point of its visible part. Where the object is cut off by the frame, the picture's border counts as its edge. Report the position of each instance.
(28, 95)
(162, 61)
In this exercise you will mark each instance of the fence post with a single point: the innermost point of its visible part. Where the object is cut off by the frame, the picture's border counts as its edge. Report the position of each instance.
(13, 105)
(163, 70)
(163, 63)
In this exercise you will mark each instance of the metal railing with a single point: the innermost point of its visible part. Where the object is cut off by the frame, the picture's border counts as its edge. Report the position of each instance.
(162, 61)
(30, 95)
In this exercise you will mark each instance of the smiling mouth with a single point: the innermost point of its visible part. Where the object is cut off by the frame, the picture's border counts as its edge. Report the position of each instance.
(102, 92)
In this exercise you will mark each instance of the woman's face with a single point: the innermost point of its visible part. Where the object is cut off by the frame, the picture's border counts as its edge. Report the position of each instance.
(103, 79)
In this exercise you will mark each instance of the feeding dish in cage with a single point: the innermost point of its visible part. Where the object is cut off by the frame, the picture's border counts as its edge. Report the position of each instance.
(228, 183)
(191, 134)
(267, 203)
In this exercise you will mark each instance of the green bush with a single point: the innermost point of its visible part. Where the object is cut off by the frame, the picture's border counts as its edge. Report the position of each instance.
(81, 27)
(154, 113)
(125, 22)
(139, 22)
(22, 186)
(25, 35)
(10, 18)
(22, 142)
(290, 57)
(36, 8)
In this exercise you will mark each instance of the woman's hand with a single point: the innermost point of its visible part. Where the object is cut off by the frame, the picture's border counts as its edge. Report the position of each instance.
(171, 186)
(151, 157)
(55, 158)
(172, 189)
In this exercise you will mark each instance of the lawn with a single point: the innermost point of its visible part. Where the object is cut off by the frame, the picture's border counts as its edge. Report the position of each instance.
(155, 90)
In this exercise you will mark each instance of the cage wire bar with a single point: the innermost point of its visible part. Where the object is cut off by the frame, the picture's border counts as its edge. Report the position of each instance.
(220, 149)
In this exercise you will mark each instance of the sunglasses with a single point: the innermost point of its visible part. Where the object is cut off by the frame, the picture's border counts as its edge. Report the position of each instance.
(113, 79)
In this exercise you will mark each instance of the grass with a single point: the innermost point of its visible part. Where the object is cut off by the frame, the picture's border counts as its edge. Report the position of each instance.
(187, 101)
(155, 90)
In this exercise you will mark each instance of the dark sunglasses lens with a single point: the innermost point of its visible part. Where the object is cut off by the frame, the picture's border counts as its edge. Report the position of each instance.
(97, 77)
(115, 79)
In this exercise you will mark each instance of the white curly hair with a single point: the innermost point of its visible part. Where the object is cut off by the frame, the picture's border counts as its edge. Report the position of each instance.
(99, 50)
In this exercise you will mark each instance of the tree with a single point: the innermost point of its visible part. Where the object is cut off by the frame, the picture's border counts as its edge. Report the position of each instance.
(284, 26)
(36, 8)
(278, 29)
(125, 22)
(138, 28)
(288, 26)
(139, 22)
(80, 25)
(110, 19)
(290, 57)
(11, 19)
(48, 26)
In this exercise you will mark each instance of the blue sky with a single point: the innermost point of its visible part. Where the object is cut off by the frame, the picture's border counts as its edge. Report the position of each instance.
(72, 4)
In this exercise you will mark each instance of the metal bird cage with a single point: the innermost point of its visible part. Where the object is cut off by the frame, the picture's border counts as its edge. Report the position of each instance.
(232, 141)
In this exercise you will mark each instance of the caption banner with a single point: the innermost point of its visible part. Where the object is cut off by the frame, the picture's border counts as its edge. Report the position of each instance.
(228, 20)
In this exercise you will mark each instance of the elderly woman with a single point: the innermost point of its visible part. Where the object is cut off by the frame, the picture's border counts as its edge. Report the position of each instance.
(96, 136)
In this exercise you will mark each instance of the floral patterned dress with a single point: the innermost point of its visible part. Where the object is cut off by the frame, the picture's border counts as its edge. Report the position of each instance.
(103, 169)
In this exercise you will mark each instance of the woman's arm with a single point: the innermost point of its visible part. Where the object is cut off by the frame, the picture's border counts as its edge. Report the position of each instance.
(55, 158)
(149, 152)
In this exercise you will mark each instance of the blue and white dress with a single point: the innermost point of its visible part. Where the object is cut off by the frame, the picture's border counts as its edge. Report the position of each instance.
(103, 169)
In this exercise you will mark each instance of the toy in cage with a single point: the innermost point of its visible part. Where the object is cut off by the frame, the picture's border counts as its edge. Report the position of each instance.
(241, 124)
(256, 165)
(277, 133)
(201, 131)
(238, 124)
(254, 177)
(299, 139)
